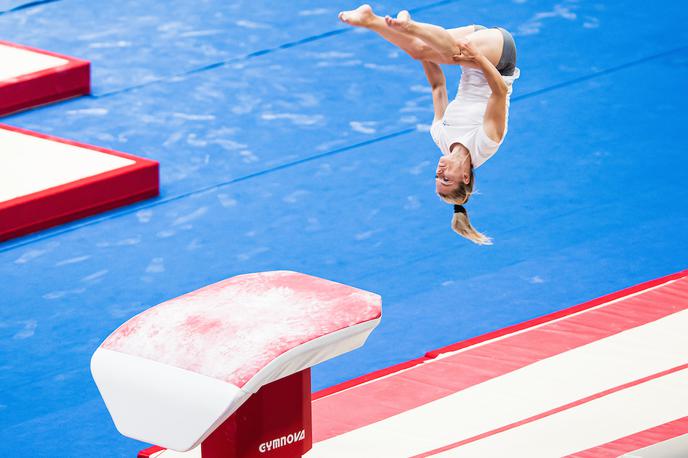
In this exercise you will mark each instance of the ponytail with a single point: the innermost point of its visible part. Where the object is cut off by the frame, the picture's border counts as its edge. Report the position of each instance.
(462, 226)
(460, 222)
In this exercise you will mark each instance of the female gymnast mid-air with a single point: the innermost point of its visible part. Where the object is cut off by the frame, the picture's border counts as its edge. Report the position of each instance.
(471, 128)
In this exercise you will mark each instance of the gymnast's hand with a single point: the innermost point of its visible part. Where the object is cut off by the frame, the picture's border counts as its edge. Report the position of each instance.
(467, 52)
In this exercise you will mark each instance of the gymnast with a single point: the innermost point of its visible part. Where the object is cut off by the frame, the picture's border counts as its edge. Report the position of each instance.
(471, 128)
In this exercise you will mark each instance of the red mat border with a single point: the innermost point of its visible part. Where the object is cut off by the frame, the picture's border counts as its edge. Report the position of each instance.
(150, 451)
(46, 86)
(499, 333)
(87, 196)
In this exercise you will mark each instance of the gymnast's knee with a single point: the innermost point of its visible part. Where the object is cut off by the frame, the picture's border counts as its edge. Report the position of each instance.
(420, 52)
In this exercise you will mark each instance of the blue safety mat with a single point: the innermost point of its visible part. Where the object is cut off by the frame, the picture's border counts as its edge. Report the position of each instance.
(288, 141)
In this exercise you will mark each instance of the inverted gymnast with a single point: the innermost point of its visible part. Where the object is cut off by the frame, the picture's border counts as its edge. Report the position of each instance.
(471, 128)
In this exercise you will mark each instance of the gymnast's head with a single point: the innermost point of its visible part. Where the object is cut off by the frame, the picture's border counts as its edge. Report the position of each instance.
(454, 181)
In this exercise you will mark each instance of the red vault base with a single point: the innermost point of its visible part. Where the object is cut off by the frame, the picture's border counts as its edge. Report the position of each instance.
(273, 423)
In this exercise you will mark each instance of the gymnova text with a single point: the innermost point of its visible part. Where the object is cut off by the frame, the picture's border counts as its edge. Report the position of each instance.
(282, 441)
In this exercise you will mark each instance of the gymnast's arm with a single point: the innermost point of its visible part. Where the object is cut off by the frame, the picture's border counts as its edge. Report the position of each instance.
(439, 88)
(494, 119)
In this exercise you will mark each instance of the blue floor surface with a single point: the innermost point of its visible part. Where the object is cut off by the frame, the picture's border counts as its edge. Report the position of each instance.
(288, 141)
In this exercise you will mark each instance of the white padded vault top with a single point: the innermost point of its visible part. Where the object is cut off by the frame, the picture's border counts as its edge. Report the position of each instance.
(15, 62)
(30, 164)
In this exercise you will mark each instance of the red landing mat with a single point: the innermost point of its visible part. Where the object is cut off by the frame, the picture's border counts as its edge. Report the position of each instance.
(600, 379)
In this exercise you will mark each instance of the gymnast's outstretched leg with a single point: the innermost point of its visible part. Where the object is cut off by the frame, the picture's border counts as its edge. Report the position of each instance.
(363, 16)
(448, 43)
(426, 42)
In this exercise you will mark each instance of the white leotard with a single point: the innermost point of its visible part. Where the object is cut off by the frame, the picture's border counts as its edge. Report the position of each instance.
(463, 118)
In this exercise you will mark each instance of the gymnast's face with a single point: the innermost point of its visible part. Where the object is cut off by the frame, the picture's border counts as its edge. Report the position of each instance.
(451, 170)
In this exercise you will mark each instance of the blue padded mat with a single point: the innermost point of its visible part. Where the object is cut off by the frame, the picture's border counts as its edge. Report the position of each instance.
(316, 158)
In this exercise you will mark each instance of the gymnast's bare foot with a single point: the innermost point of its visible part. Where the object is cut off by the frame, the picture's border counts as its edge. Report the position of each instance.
(401, 22)
(360, 17)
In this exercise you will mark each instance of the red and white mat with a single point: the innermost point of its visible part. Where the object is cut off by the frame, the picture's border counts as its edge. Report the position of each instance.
(46, 180)
(31, 77)
(604, 378)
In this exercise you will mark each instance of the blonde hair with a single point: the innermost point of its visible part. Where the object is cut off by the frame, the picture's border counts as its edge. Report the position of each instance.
(461, 224)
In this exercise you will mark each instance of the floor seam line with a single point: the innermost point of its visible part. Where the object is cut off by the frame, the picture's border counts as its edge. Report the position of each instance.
(27, 5)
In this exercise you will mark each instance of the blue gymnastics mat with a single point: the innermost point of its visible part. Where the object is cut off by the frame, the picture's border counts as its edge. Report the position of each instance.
(289, 141)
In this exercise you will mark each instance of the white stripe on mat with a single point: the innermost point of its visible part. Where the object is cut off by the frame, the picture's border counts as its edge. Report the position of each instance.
(597, 422)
